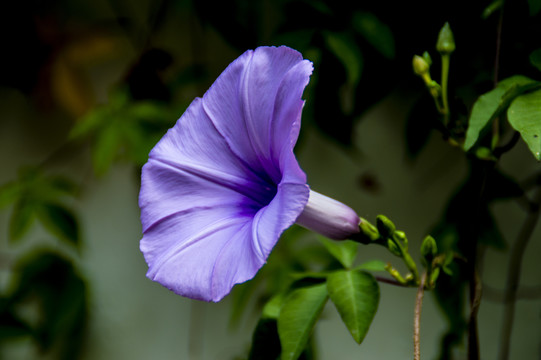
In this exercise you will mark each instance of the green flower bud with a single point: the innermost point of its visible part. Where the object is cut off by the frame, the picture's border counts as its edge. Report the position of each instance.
(446, 41)
(393, 248)
(385, 226)
(369, 233)
(429, 249)
(420, 66)
(401, 236)
(427, 58)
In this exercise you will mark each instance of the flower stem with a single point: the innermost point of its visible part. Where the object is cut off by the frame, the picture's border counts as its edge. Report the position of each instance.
(417, 319)
(445, 61)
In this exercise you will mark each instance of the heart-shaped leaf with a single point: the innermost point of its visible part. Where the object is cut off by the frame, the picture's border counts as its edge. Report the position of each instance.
(356, 296)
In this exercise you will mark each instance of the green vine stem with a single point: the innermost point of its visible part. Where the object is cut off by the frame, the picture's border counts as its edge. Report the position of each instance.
(417, 318)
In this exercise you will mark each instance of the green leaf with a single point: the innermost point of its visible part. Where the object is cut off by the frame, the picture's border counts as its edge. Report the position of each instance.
(375, 32)
(344, 251)
(298, 317)
(535, 58)
(11, 326)
(51, 286)
(346, 50)
(90, 123)
(492, 8)
(9, 193)
(63, 185)
(21, 219)
(60, 222)
(356, 296)
(272, 308)
(105, 150)
(535, 7)
(372, 265)
(490, 105)
(524, 115)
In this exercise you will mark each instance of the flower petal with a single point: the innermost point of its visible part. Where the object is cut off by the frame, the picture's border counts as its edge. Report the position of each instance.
(243, 101)
(201, 253)
(192, 164)
(271, 221)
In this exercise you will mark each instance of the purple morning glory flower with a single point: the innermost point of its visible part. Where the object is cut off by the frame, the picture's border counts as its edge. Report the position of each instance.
(223, 184)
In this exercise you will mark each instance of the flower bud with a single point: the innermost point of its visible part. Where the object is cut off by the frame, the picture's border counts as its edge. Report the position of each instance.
(420, 65)
(385, 226)
(429, 249)
(393, 248)
(446, 41)
(329, 217)
(427, 58)
(368, 233)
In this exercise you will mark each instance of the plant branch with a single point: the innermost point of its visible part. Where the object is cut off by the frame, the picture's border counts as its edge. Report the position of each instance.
(515, 264)
(476, 288)
(417, 319)
(389, 281)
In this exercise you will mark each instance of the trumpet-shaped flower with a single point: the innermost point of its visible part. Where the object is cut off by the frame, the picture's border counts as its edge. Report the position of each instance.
(223, 184)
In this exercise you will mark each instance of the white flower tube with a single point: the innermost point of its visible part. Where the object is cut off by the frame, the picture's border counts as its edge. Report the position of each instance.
(329, 217)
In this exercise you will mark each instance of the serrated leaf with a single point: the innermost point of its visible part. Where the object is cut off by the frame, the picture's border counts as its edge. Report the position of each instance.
(491, 104)
(372, 265)
(356, 296)
(298, 317)
(344, 251)
(524, 115)
(375, 32)
(60, 222)
(21, 219)
(346, 50)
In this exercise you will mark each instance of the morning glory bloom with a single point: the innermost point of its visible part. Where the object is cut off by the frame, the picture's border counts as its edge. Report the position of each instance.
(223, 184)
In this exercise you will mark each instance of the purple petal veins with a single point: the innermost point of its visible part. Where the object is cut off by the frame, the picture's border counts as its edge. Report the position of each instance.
(223, 184)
